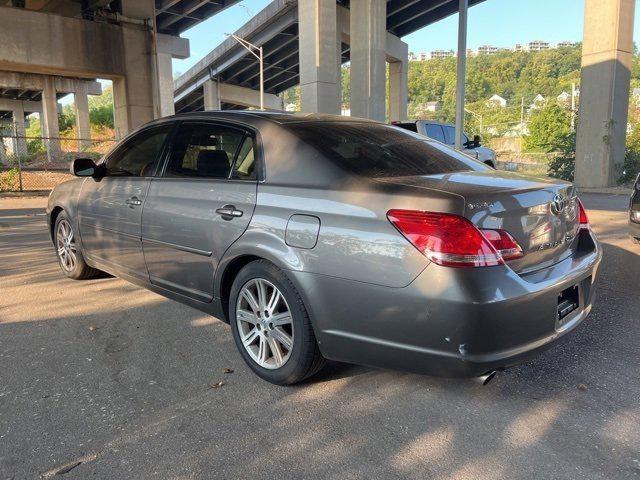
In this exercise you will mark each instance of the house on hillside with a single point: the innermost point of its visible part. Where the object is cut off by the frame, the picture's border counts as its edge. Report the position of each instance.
(497, 101)
(432, 106)
(538, 102)
(564, 98)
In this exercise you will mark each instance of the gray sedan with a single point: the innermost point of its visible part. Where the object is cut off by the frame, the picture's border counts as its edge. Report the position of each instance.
(319, 237)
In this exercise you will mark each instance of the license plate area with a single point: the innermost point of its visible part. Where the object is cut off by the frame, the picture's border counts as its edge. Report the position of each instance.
(568, 303)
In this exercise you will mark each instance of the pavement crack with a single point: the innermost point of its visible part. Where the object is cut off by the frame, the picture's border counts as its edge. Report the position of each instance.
(67, 467)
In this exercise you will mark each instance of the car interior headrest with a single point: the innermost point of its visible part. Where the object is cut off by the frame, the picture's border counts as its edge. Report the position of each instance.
(213, 163)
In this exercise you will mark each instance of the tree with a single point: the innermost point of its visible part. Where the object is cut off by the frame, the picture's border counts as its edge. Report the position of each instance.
(549, 128)
(101, 108)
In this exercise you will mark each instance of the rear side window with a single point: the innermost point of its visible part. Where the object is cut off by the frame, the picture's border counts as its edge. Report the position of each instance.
(377, 151)
(435, 132)
(203, 150)
(245, 166)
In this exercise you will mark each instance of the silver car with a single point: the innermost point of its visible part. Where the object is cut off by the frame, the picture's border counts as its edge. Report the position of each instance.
(320, 237)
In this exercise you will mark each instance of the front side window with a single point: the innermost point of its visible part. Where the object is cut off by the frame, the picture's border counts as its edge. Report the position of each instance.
(203, 150)
(137, 156)
(377, 151)
(449, 135)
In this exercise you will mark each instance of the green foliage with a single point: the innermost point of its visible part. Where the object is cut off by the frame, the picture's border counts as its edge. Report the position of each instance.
(8, 179)
(548, 129)
(563, 165)
(631, 166)
(515, 76)
(101, 108)
(67, 119)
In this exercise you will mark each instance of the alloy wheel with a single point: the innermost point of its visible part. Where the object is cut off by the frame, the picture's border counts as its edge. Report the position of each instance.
(66, 245)
(264, 323)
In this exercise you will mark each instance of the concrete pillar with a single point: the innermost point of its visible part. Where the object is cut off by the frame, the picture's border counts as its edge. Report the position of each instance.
(168, 48)
(134, 92)
(398, 87)
(83, 124)
(49, 120)
(368, 42)
(319, 88)
(20, 142)
(339, 30)
(165, 85)
(604, 91)
(211, 90)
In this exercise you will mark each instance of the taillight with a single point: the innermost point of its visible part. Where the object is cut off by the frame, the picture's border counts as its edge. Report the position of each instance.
(452, 240)
(584, 220)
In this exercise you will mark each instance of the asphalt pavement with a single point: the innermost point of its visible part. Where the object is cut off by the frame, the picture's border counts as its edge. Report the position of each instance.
(101, 379)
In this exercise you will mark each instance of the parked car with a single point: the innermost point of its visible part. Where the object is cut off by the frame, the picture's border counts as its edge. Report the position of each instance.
(634, 212)
(327, 237)
(446, 134)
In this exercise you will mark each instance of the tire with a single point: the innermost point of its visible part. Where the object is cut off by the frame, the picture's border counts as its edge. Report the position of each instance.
(69, 252)
(292, 365)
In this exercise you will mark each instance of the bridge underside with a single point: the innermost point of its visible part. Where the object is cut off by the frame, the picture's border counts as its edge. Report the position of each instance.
(277, 29)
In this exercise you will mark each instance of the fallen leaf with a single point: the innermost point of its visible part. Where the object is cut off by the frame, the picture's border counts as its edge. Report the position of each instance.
(582, 386)
(228, 370)
(217, 385)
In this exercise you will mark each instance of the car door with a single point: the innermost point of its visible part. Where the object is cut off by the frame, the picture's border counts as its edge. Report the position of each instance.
(199, 205)
(110, 208)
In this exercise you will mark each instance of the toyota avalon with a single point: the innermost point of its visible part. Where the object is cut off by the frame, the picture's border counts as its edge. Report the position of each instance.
(323, 237)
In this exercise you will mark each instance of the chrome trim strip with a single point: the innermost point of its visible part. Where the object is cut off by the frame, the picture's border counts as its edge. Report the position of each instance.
(183, 248)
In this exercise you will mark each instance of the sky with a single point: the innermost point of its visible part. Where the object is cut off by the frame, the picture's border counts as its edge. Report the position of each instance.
(501, 23)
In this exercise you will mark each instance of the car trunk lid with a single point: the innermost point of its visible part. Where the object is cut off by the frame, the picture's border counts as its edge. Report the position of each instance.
(540, 213)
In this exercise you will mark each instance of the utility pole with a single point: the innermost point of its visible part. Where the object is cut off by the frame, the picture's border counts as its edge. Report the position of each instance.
(256, 52)
(573, 107)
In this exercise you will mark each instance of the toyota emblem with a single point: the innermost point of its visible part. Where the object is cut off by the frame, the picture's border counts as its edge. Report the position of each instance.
(557, 205)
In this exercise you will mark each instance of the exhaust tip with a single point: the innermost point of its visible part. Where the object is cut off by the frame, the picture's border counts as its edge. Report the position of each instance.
(486, 378)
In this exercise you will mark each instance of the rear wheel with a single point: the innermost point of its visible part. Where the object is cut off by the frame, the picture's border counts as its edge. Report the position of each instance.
(271, 326)
(68, 250)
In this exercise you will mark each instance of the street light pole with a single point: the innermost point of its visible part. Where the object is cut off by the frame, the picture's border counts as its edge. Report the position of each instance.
(256, 52)
(462, 70)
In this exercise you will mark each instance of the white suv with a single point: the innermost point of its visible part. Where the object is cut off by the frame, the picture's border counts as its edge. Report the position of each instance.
(446, 134)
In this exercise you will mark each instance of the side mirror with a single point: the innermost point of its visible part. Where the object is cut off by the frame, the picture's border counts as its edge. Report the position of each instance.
(84, 167)
(476, 140)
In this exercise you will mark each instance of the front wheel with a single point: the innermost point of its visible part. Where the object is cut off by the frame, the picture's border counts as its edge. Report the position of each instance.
(271, 326)
(68, 250)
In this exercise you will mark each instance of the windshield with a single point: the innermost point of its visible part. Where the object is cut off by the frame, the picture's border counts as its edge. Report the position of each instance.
(378, 151)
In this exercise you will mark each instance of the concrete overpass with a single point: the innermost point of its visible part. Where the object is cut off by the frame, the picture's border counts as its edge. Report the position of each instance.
(287, 31)
(130, 42)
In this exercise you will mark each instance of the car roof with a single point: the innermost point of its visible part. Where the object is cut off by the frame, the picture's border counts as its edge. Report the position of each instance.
(272, 116)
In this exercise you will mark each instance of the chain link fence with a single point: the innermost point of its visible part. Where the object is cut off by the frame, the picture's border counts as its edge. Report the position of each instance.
(29, 163)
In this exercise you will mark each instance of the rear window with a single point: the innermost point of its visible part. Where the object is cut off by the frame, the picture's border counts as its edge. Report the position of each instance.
(380, 151)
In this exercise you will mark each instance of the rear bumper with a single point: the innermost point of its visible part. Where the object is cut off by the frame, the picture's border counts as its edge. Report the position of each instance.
(449, 322)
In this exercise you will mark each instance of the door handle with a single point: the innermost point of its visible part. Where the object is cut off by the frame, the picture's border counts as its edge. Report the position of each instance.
(228, 212)
(133, 201)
